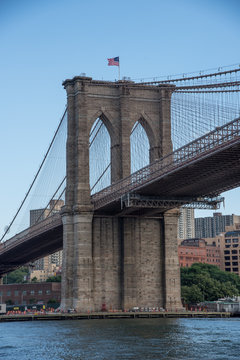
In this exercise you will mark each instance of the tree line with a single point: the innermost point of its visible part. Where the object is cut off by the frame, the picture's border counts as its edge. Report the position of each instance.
(204, 282)
(21, 276)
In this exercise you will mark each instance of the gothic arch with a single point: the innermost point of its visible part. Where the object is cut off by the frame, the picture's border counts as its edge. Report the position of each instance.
(107, 120)
(147, 124)
(139, 147)
(99, 154)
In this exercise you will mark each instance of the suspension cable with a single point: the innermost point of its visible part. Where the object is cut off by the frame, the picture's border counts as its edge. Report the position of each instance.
(35, 177)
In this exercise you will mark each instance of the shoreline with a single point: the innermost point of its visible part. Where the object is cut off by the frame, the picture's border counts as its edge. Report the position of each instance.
(117, 315)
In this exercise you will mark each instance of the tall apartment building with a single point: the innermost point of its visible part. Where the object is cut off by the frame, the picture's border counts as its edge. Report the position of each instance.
(210, 227)
(186, 225)
(46, 266)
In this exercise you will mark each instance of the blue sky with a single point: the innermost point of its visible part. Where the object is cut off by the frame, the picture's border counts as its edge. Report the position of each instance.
(44, 42)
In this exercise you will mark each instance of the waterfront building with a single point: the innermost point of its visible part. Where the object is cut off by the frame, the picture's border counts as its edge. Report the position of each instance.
(30, 293)
(231, 305)
(186, 225)
(210, 227)
(197, 250)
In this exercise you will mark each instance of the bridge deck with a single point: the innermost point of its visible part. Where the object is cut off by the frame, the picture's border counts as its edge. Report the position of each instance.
(206, 166)
(35, 242)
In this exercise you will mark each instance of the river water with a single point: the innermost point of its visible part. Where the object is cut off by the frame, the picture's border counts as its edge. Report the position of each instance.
(175, 339)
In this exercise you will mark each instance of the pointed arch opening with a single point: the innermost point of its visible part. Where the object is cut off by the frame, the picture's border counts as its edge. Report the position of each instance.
(99, 157)
(140, 147)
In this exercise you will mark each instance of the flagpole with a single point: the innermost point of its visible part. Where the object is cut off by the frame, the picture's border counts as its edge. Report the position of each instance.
(119, 71)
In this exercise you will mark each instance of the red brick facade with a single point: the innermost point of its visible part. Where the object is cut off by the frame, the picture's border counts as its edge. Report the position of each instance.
(192, 251)
(33, 293)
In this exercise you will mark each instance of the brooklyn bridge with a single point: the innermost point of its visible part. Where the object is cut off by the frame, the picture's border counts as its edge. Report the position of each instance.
(125, 157)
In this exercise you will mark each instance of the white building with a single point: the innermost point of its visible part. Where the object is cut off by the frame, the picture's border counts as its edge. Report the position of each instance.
(186, 228)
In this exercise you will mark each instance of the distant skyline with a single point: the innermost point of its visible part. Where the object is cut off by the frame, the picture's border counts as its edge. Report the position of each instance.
(44, 42)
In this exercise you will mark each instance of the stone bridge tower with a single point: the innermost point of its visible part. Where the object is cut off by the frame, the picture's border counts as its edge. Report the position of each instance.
(118, 261)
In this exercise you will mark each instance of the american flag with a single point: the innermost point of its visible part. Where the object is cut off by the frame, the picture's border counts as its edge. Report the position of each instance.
(113, 61)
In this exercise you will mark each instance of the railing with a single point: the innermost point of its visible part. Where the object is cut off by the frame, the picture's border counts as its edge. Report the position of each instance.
(210, 142)
(34, 230)
(202, 146)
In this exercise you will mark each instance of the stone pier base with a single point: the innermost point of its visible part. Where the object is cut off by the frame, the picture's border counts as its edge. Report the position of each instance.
(120, 263)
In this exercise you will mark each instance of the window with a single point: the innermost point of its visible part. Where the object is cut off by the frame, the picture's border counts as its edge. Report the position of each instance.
(235, 240)
(227, 241)
(226, 251)
(235, 269)
(32, 292)
(227, 257)
(39, 292)
(235, 245)
(24, 292)
(228, 246)
(235, 263)
(8, 293)
(234, 251)
(227, 263)
(227, 269)
(16, 292)
(48, 292)
(234, 258)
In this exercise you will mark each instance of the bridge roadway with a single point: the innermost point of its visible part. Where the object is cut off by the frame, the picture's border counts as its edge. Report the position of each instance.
(205, 167)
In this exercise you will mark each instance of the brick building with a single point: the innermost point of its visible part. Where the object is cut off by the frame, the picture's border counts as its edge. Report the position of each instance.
(230, 249)
(32, 293)
(196, 250)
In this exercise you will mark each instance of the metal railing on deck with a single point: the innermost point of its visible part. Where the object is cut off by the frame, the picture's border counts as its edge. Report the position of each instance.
(213, 140)
(34, 230)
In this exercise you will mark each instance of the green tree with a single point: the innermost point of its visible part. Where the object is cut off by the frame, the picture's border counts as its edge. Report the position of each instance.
(56, 278)
(17, 276)
(191, 294)
(204, 282)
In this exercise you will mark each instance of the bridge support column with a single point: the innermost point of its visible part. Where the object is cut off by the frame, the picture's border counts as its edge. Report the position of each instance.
(143, 264)
(172, 270)
(82, 265)
(68, 261)
(77, 283)
(107, 275)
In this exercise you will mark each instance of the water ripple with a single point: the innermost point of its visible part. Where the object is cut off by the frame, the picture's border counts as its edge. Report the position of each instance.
(147, 339)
